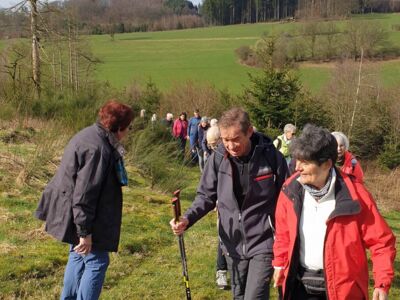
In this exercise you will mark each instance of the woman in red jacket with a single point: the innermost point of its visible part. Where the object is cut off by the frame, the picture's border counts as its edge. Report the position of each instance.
(179, 130)
(346, 161)
(325, 220)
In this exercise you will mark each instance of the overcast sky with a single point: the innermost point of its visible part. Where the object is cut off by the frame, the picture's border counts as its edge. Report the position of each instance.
(9, 3)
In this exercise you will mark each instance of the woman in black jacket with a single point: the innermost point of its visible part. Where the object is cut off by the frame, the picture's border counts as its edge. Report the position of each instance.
(82, 204)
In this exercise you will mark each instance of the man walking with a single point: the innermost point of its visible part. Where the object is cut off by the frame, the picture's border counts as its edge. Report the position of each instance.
(193, 134)
(245, 174)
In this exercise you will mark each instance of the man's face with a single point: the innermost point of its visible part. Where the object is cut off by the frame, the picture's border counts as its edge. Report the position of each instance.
(196, 114)
(236, 142)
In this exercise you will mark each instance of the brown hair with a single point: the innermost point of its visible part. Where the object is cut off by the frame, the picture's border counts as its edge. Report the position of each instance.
(235, 116)
(115, 115)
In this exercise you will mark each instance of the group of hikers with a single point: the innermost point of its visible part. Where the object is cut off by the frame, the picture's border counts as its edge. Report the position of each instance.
(293, 211)
(194, 130)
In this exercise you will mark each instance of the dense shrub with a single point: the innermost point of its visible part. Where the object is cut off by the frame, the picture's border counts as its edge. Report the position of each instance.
(269, 97)
(188, 96)
(156, 154)
(321, 41)
(147, 98)
(244, 53)
(390, 157)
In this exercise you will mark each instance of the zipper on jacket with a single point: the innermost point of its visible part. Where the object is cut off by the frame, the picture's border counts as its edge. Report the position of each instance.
(242, 230)
(323, 257)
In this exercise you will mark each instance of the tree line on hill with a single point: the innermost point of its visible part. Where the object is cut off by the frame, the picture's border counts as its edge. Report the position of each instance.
(119, 16)
(224, 12)
(102, 16)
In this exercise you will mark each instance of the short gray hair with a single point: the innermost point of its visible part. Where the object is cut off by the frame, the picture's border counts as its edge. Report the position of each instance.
(342, 138)
(214, 122)
(235, 116)
(289, 128)
(213, 136)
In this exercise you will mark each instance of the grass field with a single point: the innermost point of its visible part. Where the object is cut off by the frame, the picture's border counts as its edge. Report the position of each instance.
(147, 265)
(207, 55)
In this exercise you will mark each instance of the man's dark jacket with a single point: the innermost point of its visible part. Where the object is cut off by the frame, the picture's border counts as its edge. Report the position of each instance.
(85, 197)
(246, 231)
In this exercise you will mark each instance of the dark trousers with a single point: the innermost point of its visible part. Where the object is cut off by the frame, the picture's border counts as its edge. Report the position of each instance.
(250, 278)
(182, 145)
(301, 294)
(221, 261)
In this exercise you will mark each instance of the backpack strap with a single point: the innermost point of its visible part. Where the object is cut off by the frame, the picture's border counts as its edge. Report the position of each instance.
(218, 157)
(279, 145)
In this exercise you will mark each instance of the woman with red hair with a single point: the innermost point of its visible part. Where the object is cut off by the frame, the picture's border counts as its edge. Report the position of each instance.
(82, 204)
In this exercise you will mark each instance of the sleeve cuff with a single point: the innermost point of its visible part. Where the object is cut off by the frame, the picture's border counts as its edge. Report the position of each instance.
(82, 230)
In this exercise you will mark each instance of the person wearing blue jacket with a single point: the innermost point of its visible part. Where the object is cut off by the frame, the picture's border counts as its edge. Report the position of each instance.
(202, 131)
(193, 134)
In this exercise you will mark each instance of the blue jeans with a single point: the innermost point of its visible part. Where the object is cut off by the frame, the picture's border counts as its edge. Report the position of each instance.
(84, 275)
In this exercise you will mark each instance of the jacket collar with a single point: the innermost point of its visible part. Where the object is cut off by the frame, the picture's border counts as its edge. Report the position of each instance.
(347, 203)
(111, 138)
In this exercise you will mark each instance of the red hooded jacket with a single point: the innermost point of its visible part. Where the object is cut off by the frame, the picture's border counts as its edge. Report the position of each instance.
(354, 225)
(352, 167)
(180, 128)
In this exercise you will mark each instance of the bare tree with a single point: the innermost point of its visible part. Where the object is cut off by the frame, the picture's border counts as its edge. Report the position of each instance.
(36, 75)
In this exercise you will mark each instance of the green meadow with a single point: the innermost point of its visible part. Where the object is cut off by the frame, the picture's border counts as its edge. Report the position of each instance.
(207, 55)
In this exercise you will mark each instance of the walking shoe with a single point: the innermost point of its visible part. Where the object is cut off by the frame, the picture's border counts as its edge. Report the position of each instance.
(222, 281)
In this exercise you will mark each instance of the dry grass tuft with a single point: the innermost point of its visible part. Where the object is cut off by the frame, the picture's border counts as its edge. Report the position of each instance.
(38, 233)
(6, 248)
(5, 215)
(384, 185)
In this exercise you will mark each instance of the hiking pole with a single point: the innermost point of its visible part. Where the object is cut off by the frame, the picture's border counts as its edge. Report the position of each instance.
(176, 206)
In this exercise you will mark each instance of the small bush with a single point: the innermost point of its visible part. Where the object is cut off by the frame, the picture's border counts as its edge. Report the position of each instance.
(396, 27)
(244, 53)
(156, 154)
(7, 112)
(390, 157)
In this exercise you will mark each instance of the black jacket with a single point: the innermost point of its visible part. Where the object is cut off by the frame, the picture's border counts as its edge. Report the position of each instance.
(84, 196)
(247, 231)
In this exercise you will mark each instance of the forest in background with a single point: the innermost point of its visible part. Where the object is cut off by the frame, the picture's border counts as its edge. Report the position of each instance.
(120, 16)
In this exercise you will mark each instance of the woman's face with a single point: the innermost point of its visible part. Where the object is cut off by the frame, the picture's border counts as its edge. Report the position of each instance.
(313, 174)
(182, 117)
(341, 148)
(121, 134)
(290, 135)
